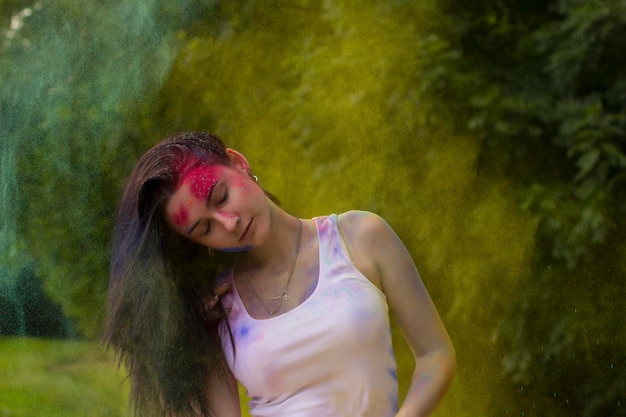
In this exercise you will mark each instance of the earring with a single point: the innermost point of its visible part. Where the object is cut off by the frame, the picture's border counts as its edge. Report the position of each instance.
(211, 252)
(252, 176)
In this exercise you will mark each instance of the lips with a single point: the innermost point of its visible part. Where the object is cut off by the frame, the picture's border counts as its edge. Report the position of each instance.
(245, 233)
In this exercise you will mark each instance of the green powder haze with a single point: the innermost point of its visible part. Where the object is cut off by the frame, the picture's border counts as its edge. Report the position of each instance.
(325, 102)
(73, 75)
(324, 99)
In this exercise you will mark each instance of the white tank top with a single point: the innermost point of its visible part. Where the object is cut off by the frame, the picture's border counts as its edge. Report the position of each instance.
(331, 356)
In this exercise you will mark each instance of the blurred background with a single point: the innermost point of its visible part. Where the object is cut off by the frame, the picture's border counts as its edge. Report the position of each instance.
(491, 135)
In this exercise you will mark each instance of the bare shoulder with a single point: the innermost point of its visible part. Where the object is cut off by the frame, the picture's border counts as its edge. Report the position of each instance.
(362, 225)
(364, 234)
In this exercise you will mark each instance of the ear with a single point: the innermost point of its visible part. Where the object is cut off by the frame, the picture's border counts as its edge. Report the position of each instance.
(238, 160)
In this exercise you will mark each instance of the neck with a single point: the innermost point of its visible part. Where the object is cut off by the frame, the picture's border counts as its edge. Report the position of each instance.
(279, 245)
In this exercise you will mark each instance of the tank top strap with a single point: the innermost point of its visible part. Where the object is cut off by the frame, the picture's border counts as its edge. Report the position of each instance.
(333, 261)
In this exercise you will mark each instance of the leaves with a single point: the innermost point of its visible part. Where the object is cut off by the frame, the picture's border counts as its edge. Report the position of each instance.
(548, 102)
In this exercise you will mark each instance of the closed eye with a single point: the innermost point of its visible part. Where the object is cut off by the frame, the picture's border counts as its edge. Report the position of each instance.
(222, 201)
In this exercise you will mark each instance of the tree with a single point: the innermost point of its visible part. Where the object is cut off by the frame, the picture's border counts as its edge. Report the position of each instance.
(544, 81)
(27, 310)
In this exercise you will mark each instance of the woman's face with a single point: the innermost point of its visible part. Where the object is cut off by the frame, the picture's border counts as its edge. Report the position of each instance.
(220, 207)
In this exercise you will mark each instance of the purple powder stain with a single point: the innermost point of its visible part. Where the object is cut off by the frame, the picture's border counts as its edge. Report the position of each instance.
(323, 228)
(337, 250)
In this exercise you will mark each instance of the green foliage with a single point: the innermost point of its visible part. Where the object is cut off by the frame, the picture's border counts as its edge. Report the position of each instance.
(542, 83)
(548, 84)
(565, 342)
(27, 310)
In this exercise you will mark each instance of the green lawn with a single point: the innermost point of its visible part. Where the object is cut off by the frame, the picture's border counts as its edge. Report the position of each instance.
(40, 377)
(58, 378)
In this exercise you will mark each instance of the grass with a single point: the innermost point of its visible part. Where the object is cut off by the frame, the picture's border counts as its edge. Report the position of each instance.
(61, 378)
(50, 378)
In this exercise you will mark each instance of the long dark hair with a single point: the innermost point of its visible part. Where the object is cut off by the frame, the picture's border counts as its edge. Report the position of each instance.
(156, 279)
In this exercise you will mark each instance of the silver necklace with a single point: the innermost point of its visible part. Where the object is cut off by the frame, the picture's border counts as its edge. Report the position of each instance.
(284, 296)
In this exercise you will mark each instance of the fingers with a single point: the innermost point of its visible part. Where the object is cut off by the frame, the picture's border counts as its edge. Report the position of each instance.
(212, 302)
(221, 288)
(211, 299)
(209, 314)
(208, 310)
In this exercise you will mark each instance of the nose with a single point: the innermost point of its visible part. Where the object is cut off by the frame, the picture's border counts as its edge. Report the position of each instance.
(228, 220)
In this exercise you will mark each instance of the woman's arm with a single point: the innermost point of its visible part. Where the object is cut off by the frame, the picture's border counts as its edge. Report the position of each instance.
(380, 254)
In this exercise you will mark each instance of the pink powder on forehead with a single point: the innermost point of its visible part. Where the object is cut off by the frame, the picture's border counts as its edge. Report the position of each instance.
(202, 179)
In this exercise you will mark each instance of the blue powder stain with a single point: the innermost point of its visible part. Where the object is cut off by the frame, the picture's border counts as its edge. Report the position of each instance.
(243, 332)
(393, 395)
(231, 250)
(393, 399)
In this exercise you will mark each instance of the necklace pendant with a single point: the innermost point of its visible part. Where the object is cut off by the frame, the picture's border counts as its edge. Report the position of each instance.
(285, 296)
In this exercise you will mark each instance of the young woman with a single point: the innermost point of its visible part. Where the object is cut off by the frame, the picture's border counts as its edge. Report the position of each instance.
(304, 302)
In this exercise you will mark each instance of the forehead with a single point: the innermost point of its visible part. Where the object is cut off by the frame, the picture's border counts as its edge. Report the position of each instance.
(201, 180)
(192, 191)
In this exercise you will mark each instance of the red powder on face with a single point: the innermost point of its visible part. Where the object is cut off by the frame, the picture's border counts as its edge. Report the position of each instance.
(180, 218)
(202, 179)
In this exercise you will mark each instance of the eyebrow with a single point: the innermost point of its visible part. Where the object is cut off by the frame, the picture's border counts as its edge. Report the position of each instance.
(208, 199)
